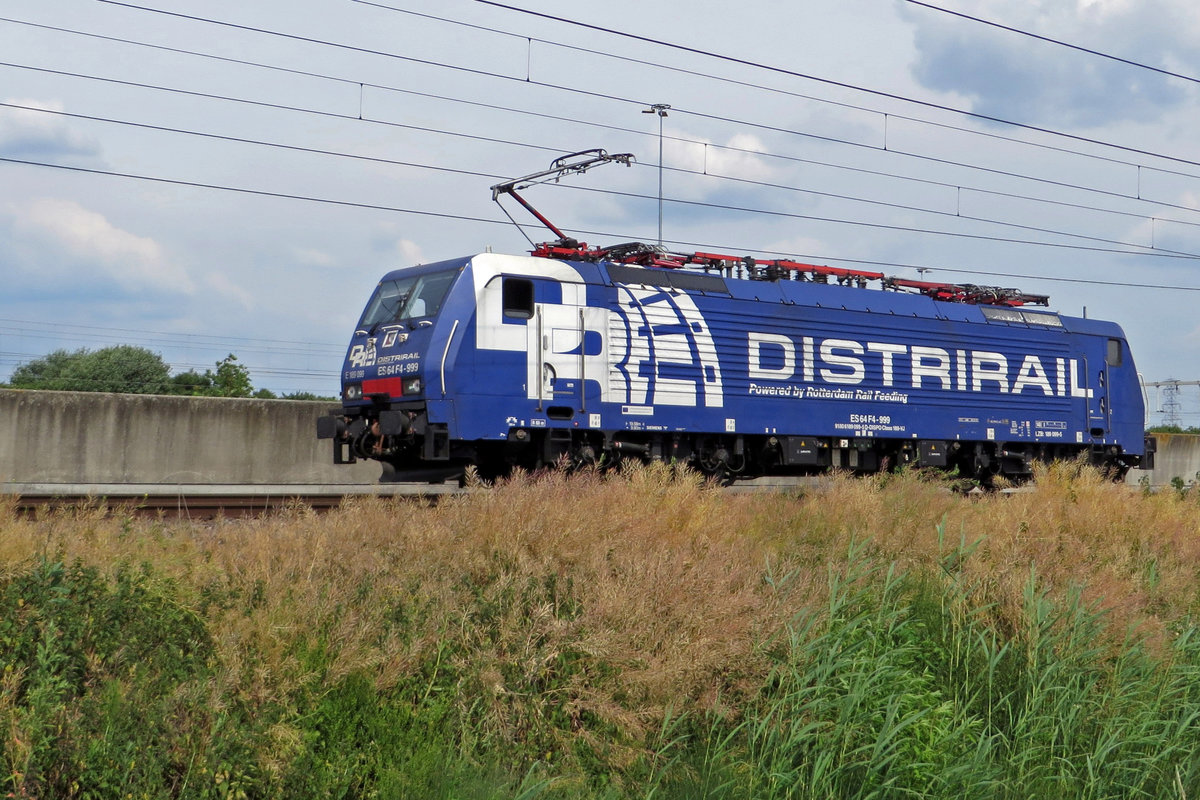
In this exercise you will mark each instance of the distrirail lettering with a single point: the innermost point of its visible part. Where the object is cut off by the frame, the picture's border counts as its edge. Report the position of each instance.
(775, 357)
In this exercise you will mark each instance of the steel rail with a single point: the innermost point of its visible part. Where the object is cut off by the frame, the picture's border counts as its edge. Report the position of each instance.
(205, 501)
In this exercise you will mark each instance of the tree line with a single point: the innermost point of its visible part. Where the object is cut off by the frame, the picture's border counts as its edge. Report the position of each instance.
(126, 369)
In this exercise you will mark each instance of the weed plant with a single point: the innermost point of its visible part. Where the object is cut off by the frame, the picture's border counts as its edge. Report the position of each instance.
(632, 634)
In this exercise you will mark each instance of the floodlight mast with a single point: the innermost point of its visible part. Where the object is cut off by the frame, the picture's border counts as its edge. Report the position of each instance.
(572, 164)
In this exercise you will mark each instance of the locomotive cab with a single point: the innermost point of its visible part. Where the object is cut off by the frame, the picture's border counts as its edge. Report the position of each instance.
(383, 362)
(390, 370)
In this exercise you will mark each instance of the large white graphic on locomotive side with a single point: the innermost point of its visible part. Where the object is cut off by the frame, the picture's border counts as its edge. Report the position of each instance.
(662, 351)
(653, 348)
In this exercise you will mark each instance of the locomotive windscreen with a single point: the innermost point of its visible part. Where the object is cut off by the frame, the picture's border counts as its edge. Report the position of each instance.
(407, 298)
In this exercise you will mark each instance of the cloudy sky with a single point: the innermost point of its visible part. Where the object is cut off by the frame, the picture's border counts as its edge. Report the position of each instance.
(230, 177)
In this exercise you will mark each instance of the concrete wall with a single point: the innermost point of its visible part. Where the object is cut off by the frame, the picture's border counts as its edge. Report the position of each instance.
(92, 438)
(1178, 456)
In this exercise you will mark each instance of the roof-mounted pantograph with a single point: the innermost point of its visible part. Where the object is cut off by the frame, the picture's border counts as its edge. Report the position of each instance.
(749, 267)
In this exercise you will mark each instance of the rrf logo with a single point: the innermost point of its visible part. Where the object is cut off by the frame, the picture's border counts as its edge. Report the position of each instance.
(363, 355)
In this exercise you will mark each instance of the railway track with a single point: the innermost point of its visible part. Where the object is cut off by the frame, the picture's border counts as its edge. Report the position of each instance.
(204, 501)
(207, 501)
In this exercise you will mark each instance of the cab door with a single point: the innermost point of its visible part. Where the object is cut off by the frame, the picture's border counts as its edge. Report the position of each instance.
(1100, 410)
(565, 341)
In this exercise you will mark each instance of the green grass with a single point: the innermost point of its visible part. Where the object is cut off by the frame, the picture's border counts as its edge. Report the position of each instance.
(639, 635)
(902, 688)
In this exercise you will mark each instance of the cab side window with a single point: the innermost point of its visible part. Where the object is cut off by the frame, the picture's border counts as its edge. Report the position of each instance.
(1114, 354)
(518, 298)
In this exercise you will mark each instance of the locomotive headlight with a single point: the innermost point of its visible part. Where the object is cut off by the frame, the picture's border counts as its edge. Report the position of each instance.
(353, 391)
(412, 386)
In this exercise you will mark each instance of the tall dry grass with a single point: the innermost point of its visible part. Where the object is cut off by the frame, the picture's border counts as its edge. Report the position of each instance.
(667, 574)
(1132, 553)
(646, 573)
(574, 614)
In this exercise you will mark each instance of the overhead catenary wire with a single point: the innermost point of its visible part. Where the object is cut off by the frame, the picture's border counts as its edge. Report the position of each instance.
(721, 176)
(757, 153)
(610, 234)
(926, 210)
(528, 80)
(468, 218)
(392, 8)
(1051, 40)
(552, 149)
(259, 355)
(35, 328)
(278, 106)
(360, 84)
(725, 57)
(765, 88)
(245, 190)
(695, 203)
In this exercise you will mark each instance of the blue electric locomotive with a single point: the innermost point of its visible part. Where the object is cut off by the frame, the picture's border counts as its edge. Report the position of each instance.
(735, 366)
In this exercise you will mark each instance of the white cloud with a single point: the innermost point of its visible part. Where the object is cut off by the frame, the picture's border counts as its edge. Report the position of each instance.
(223, 285)
(1017, 77)
(72, 239)
(312, 257)
(32, 132)
(389, 240)
(409, 252)
(735, 158)
(1106, 8)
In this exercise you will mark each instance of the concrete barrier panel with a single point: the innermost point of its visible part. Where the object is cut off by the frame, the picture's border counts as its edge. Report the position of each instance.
(91, 437)
(95, 438)
(1178, 456)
